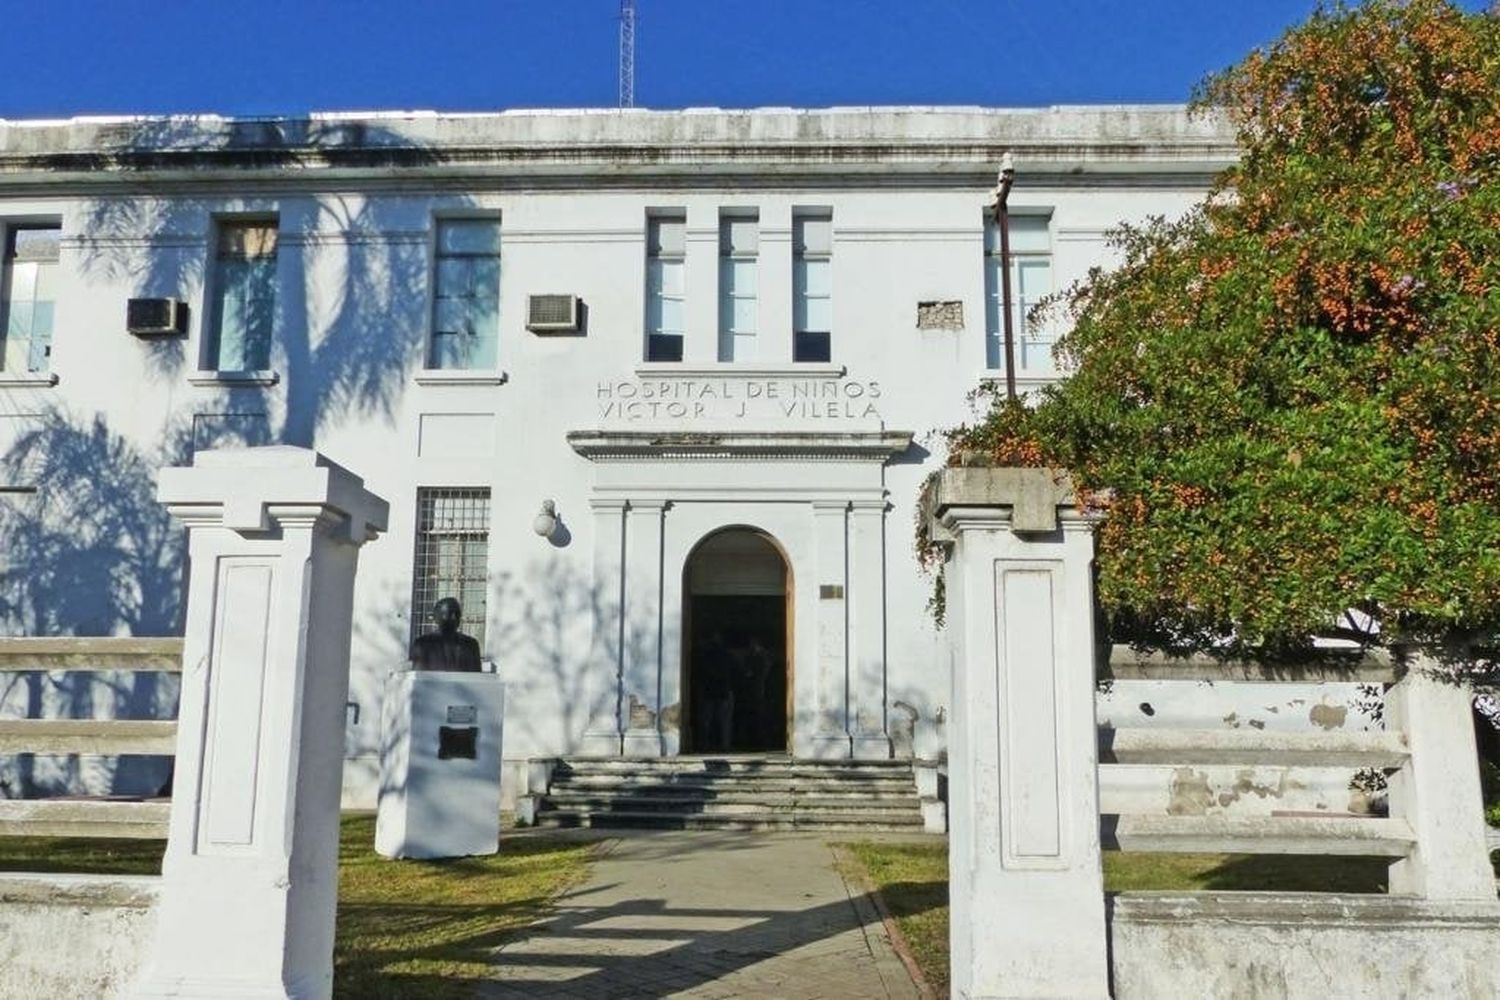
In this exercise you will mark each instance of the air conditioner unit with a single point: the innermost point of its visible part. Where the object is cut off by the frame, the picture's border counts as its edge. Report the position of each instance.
(552, 313)
(155, 317)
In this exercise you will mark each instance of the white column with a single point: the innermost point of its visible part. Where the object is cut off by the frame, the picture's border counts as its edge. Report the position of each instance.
(1438, 791)
(643, 627)
(775, 285)
(606, 723)
(867, 676)
(1026, 889)
(250, 876)
(830, 729)
(669, 719)
(701, 273)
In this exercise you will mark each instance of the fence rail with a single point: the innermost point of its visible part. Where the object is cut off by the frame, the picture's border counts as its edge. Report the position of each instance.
(83, 817)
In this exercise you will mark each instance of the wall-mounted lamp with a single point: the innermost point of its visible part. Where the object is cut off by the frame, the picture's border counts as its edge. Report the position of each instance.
(545, 522)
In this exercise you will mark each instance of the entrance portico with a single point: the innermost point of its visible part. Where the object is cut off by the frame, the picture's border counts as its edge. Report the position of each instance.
(818, 498)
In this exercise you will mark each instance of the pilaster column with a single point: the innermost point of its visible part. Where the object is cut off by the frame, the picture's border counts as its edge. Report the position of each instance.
(867, 674)
(701, 273)
(775, 286)
(641, 692)
(830, 725)
(1026, 890)
(605, 729)
(250, 876)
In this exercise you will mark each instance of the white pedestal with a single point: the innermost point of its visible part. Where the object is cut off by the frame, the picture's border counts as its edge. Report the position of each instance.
(440, 764)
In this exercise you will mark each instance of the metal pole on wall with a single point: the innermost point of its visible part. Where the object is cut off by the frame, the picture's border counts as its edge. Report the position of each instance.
(1002, 223)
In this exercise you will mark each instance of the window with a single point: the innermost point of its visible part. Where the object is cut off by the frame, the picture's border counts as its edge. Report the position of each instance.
(244, 297)
(466, 294)
(812, 287)
(453, 541)
(739, 245)
(1030, 281)
(28, 288)
(665, 246)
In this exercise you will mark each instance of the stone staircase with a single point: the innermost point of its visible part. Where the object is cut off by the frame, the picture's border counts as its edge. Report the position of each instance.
(730, 793)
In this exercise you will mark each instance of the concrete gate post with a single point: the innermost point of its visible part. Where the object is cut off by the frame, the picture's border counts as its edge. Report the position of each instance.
(1438, 791)
(250, 876)
(1026, 887)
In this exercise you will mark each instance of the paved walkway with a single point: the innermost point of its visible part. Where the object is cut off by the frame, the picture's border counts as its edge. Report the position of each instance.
(707, 915)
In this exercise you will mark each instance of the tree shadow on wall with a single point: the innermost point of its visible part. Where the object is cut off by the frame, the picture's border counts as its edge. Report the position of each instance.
(350, 330)
(85, 549)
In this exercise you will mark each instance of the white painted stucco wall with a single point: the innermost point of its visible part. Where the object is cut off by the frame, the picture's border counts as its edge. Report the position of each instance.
(907, 189)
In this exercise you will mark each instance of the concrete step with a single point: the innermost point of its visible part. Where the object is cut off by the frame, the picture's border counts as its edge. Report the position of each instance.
(676, 821)
(732, 805)
(751, 792)
(696, 793)
(691, 784)
(732, 766)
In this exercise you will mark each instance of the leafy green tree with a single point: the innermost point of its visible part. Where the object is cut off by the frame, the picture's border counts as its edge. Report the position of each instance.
(1287, 403)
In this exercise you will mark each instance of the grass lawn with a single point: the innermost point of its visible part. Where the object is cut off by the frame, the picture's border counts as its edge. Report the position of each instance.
(405, 928)
(913, 881)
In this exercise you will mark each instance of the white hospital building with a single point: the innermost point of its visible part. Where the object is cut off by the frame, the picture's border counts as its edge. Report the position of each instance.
(716, 345)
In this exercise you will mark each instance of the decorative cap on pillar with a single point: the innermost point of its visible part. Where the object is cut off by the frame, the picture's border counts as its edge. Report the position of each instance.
(252, 489)
(1032, 495)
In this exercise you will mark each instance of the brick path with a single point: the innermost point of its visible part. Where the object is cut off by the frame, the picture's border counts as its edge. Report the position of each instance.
(707, 915)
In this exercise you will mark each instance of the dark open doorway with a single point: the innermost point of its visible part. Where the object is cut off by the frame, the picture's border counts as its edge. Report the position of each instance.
(736, 669)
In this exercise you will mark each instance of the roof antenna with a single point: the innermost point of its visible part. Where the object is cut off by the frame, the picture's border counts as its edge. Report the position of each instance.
(627, 53)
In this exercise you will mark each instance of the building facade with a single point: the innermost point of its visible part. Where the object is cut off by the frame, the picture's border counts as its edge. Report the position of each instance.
(651, 393)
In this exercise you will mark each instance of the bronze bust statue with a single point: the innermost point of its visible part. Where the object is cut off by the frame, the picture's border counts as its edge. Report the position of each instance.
(447, 648)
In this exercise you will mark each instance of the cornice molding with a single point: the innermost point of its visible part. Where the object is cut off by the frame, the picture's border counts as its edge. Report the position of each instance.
(854, 446)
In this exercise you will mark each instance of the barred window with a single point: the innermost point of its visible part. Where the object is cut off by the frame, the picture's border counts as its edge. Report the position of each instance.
(452, 559)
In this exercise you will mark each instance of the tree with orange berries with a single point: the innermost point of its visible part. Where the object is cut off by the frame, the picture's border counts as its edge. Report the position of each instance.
(1287, 404)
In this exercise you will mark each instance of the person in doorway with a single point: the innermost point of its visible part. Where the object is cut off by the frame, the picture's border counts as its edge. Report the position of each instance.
(755, 670)
(717, 696)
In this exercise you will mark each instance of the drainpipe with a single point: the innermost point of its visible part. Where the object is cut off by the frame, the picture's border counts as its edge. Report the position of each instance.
(1002, 223)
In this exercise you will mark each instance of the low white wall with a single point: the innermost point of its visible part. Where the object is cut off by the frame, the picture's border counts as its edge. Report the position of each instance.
(1275, 945)
(73, 935)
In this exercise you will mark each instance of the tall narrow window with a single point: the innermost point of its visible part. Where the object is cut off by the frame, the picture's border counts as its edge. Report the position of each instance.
(812, 287)
(666, 243)
(739, 246)
(244, 297)
(1030, 282)
(453, 544)
(466, 294)
(28, 288)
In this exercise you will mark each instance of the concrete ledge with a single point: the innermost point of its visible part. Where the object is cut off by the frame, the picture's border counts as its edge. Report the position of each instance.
(1264, 945)
(1341, 835)
(88, 736)
(84, 818)
(1376, 748)
(1125, 663)
(73, 935)
(85, 653)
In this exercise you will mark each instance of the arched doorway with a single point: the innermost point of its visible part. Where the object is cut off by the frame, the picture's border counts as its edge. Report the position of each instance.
(737, 626)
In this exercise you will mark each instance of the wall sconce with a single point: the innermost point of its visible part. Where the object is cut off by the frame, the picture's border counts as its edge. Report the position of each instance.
(545, 522)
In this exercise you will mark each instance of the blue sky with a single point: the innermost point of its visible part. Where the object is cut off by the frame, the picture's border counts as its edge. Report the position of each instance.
(67, 57)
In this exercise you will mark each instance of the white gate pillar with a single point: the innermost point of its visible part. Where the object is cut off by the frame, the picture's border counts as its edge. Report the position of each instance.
(1026, 887)
(1438, 791)
(250, 876)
